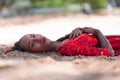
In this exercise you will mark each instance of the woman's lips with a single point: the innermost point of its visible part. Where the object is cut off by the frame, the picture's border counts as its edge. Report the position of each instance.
(43, 40)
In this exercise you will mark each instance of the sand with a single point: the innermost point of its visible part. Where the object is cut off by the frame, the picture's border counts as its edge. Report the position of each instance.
(17, 65)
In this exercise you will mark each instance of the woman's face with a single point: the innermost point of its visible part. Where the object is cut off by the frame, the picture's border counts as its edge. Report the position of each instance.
(34, 43)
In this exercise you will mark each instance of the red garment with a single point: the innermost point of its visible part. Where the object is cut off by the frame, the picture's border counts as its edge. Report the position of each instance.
(87, 45)
(115, 42)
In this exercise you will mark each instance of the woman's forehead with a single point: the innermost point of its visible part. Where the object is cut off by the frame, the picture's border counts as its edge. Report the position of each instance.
(32, 34)
(25, 39)
(24, 42)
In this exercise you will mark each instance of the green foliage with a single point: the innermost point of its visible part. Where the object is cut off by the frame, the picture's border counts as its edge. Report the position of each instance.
(37, 3)
(56, 3)
(47, 3)
(6, 3)
(98, 4)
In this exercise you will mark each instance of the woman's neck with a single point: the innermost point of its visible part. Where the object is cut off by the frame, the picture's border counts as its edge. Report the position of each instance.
(54, 46)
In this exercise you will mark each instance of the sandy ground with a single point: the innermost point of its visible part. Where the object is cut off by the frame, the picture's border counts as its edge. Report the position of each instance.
(18, 65)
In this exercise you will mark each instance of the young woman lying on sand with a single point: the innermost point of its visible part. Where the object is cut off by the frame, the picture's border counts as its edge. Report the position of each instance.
(85, 41)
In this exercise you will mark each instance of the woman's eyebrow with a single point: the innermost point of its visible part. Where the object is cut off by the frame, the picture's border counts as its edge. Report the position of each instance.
(32, 35)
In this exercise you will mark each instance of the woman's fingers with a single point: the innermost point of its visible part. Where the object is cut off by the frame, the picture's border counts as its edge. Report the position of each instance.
(71, 35)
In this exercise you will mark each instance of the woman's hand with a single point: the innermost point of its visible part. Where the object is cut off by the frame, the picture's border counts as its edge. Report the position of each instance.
(89, 30)
(76, 32)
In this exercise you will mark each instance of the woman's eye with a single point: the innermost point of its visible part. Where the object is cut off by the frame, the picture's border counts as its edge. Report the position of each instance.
(32, 44)
(33, 35)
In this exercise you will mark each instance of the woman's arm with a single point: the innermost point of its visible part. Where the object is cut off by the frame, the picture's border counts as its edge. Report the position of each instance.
(88, 30)
(76, 32)
(103, 41)
(62, 39)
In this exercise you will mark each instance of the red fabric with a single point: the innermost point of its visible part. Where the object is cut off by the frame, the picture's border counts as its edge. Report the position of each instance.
(86, 45)
(115, 42)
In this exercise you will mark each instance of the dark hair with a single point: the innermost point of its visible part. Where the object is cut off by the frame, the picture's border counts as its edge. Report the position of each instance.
(18, 47)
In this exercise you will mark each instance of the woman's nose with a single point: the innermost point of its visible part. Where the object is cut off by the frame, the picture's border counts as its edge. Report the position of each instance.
(37, 39)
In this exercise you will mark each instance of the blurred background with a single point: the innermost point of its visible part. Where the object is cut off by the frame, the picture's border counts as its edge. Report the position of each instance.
(10, 8)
